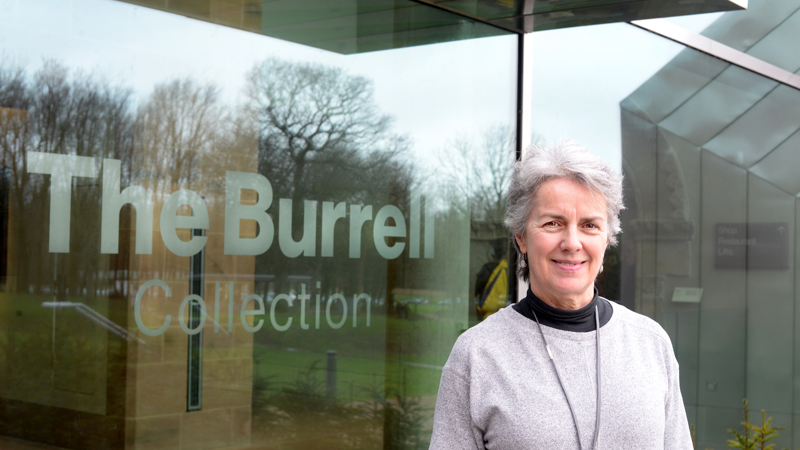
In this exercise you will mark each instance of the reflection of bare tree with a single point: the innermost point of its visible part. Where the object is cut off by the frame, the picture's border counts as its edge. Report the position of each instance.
(318, 134)
(178, 124)
(56, 112)
(479, 173)
(322, 137)
(474, 181)
(313, 118)
(47, 355)
(15, 140)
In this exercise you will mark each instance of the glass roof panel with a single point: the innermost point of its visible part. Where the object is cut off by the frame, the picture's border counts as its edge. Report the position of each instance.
(673, 84)
(743, 29)
(356, 26)
(493, 9)
(553, 14)
(762, 128)
(719, 103)
(772, 48)
(780, 166)
(695, 23)
(342, 26)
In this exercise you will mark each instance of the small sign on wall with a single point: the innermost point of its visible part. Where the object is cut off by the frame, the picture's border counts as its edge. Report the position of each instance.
(687, 294)
(751, 246)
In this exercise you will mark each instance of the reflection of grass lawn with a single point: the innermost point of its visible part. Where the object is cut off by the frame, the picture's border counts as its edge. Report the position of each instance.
(360, 341)
(353, 375)
(406, 355)
(282, 368)
(29, 306)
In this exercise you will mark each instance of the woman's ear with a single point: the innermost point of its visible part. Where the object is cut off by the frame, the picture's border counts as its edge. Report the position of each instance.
(521, 243)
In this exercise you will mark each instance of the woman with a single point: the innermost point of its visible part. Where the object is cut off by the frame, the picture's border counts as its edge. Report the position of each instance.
(527, 377)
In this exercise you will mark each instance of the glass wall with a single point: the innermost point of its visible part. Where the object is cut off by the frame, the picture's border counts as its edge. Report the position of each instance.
(709, 153)
(581, 75)
(217, 239)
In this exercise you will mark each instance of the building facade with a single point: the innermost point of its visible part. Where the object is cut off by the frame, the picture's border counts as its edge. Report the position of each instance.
(234, 224)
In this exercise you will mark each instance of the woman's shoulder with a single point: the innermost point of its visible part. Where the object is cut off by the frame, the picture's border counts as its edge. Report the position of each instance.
(498, 324)
(639, 323)
(491, 335)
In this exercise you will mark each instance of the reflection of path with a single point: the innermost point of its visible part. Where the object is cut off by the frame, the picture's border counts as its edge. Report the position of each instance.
(7, 443)
(95, 317)
(424, 366)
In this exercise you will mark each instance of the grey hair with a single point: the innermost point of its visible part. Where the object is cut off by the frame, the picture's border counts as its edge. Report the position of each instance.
(566, 160)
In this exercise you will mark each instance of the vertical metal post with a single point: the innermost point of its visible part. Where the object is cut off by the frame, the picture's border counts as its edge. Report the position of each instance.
(194, 382)
(331, 375)
(519, 144)
(524, 91)
(518, 288)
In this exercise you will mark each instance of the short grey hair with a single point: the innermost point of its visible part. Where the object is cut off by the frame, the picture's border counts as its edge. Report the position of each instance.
(566, 160)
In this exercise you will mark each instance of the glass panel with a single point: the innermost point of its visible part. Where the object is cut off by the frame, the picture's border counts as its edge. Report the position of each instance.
(770, 49)
(779, 167)
(342, 26)
(770, 296)
(743, 226)
(695, 23)
(556, 14)
(723, 99)
(488, 10)
(721, 379)
(673, 85)
(217, 239)
(743, 29)
(568, 101)
(709, 157)
(762, 128)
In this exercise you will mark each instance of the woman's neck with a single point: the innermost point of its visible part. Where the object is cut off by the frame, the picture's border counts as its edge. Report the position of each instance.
(568, 303)
(580, 320)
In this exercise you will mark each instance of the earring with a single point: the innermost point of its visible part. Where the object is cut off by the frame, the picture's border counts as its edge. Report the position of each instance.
(522, 262)
(601, 268)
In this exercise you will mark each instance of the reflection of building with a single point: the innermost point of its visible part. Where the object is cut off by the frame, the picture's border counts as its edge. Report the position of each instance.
(711, 152)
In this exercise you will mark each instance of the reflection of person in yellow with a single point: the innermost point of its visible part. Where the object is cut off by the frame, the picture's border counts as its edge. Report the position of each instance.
(491, 284)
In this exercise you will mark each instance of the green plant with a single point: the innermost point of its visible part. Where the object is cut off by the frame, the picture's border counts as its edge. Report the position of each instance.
(754, 437)
(760, 435)
(743, 441)
(765, 433)
(404, 421)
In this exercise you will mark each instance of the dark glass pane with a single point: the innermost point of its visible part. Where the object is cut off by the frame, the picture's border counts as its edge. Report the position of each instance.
(212, 238)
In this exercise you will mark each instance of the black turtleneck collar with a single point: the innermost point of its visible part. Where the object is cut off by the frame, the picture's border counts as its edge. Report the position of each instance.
(579, 320)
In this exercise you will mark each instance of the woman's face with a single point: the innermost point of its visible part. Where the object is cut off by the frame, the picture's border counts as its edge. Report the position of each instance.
(565, 239)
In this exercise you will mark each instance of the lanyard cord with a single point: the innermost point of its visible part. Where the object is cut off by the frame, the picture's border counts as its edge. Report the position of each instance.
(563, 389)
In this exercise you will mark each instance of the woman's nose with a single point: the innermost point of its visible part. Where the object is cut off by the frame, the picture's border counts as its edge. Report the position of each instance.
(571, 241)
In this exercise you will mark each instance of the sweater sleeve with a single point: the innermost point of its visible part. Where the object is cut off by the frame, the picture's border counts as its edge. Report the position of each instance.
(453, 427)
(677, 435)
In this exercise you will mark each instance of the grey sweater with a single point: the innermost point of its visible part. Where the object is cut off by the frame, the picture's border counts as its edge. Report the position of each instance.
(499, 389)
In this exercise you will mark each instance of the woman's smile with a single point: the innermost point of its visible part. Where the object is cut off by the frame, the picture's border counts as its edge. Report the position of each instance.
(569, 266)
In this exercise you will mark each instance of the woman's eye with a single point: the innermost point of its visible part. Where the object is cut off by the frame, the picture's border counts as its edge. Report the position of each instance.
(552, 223)
(592, 225)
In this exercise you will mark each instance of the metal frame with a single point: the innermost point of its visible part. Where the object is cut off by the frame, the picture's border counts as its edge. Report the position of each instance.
(711, 47)
(194, 367)
(433, 4)
(524, 117)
